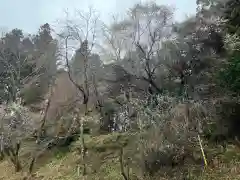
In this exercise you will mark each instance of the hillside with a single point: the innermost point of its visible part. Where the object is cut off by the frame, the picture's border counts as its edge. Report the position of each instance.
(103, 163)
(143, 97)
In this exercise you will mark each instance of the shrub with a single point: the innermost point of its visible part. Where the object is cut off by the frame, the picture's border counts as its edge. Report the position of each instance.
(168, 134)
(32, 94)
(16, 126)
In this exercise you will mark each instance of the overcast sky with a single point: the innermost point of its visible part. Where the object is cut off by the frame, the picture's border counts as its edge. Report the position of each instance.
(30, 14)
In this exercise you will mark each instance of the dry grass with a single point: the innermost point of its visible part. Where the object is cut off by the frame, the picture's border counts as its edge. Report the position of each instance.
(64, 166)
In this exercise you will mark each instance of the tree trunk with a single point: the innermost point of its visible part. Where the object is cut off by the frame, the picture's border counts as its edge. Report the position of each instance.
(121, 161)
(83, 150)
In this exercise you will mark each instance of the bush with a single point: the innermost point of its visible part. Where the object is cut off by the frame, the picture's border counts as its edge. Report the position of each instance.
(107, 120)
(227, 124)
(158, 152)
(16, 127)
(32, 94)
(16, 123)
(230, 75)
(168, 134)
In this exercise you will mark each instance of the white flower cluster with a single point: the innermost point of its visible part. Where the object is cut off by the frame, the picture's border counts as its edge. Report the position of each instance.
(16, 124)
(232, 42)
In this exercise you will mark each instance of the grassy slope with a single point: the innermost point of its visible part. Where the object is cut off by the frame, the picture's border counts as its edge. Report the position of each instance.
(63, 165)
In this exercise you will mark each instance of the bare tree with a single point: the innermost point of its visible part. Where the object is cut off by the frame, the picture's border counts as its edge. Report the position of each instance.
(80, 31)
(114, 43)
(137, 40)
(44, 112)
(13, 70)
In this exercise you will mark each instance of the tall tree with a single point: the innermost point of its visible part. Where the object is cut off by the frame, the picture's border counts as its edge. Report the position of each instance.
(16, 66)
(143, 31)
(44, 54)
(83, 33)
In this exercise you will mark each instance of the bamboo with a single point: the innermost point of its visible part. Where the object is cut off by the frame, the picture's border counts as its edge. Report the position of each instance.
(202, 150)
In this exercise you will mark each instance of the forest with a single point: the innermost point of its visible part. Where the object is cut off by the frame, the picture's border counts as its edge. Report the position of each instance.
(145, 97)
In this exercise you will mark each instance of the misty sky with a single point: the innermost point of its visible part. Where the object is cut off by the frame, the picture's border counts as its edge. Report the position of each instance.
(30, 14)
